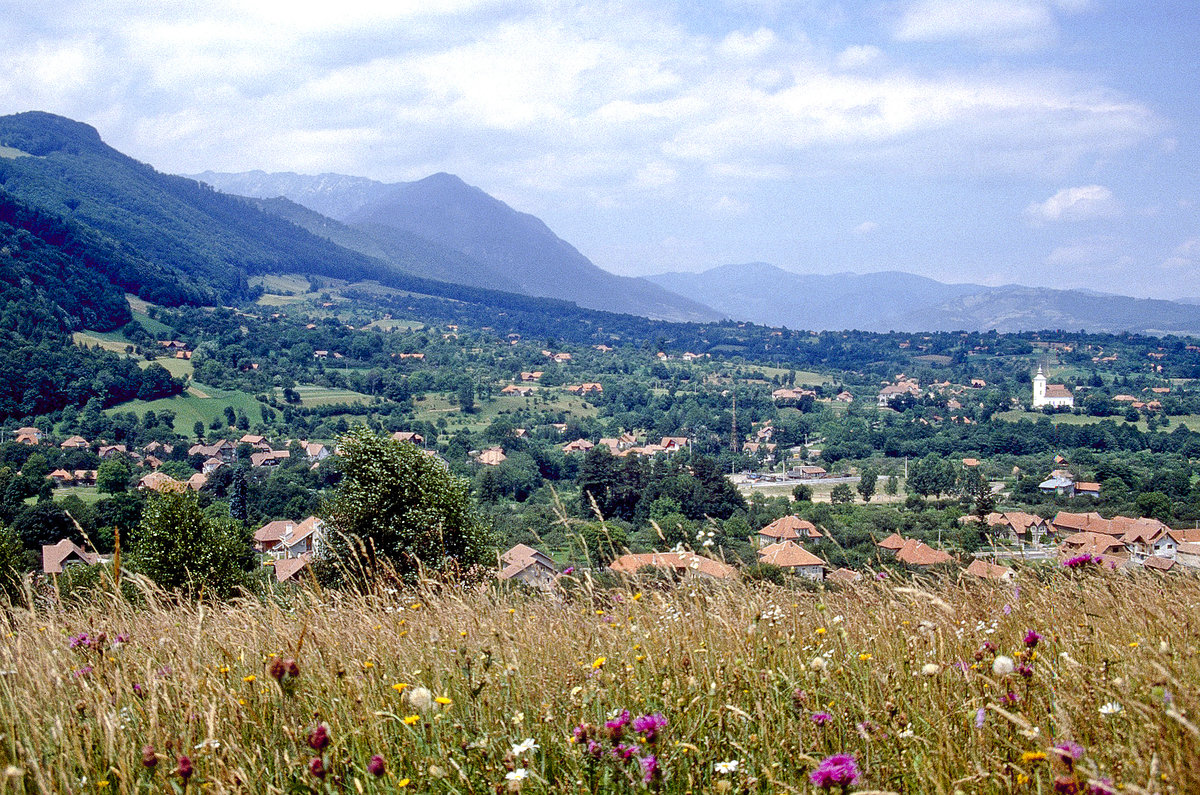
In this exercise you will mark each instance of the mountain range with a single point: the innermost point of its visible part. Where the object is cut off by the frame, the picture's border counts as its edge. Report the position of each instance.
(894, 301)
(441, 228)
(174, 239)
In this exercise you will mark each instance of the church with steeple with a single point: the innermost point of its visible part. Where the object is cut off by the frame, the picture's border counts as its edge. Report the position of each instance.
(1053, 395)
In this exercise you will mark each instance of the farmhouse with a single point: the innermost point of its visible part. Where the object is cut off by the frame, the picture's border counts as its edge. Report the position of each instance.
(528, 565)
(787, 528)
(56, 557)
(790, 555)
(682, 564)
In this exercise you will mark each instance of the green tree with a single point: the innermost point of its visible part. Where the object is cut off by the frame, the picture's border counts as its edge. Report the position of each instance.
(12, 562)
(466, 397)
(841, 494)
(405, 507)
(802, 493)
(891, 485)
(603, 542)
(181, 549)
(866, 484)
(113, 476)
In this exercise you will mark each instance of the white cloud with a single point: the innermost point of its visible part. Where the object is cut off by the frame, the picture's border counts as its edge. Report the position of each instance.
(1186, 255)
(656, 175)
(747, 46)
(1075, 204)
(866, 228)
(858, 56)
(998, 24)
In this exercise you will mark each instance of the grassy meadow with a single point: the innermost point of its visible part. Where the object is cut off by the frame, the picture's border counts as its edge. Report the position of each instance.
(934, 687)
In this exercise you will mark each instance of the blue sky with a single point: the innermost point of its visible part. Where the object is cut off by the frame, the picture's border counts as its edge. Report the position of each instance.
(1042, 142)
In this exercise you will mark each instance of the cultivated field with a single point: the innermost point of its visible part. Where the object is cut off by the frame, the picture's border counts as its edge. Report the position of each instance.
(1190, 421)
(1078, 680)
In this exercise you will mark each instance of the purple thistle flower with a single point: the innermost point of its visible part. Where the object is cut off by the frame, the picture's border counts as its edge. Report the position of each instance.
(625, 752)
(1032, 637)
(122, 638)
(318, 738)
(649, 726)
(616, 726)
(84, 671)
(594, 749)
(1069, 753)
(821, 718)
(649, 768)
(1025, 670)
(184, 768)
(316, 767)
(81, 639)
(839, 770)
(1102, 787)
(1009, 698)
(1079, 561)
(1066, 785)
(376, 766)
(1007, 609)
(138, 690)
(568, 571)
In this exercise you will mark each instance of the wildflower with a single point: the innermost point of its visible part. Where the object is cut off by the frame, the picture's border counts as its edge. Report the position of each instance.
(864, 657)
(318, 738)
(821, 630)
(817, 664)
(839, 770)
(1111, 708)
(411, 719)
(1031, 638)
(376, 766)
(121, 638)
(1079, 561)
(292, 668)
(616, 726)
(582, 733)
(316, 767)
(1033, 756)
(821, 718)
(650, 725)
(138, 690)
(730, 766)
(599, 662)
(276, 669)
(650, 769)
(595, 750)
(1102, 786)
(625, 752)
(930, 669)
(184, 768)
(520, 774)
(249, 679)
(149, 758)
(524, 746)
(980, 714)
(1009, 698)
(420, 699)
(1002, 666)
(568, 571)
(1066, 785)
(1069, 753)
(84, 671)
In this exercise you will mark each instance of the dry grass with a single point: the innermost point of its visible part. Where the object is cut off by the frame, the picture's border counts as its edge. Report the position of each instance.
(731, 668)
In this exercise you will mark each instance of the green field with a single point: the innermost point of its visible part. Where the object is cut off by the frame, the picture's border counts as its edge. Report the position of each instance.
(311, 395)
(1190, 421)
(435, 407)
(189, 408)
(803, 377)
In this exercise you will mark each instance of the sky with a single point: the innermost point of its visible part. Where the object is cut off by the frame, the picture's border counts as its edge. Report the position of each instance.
(1041, 142)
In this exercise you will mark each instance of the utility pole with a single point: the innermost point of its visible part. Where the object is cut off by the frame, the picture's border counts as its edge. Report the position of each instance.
(733, 440)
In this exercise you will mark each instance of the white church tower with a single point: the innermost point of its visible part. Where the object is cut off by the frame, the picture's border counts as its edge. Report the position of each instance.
(1039, 389)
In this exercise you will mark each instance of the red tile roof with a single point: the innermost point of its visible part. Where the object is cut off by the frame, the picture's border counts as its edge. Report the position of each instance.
(789, 555)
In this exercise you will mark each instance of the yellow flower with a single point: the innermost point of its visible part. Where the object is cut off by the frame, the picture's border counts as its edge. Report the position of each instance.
(399, 686)
(1022, 778)
(404, 782)
(1033, 756)
(368, 665)
(1134, 645)
(101, 785)
(415, 606)
(599, 662)
(821, 630)
(249, 679)
(512, 610)
(463, 633)
(224, 669)
(864, 657)
(411, 719)
(639, 658)
(637, 596)
(443, 700)
(242, 702)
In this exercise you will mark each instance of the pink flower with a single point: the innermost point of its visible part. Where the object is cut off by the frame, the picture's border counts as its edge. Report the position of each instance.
(649, 726)
(318, 738)
(649, 768)
(316, 767)
(1032, 637)
(376, 766)
(839, 770)
(184, 768)
(821, 718)
(616, 726)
